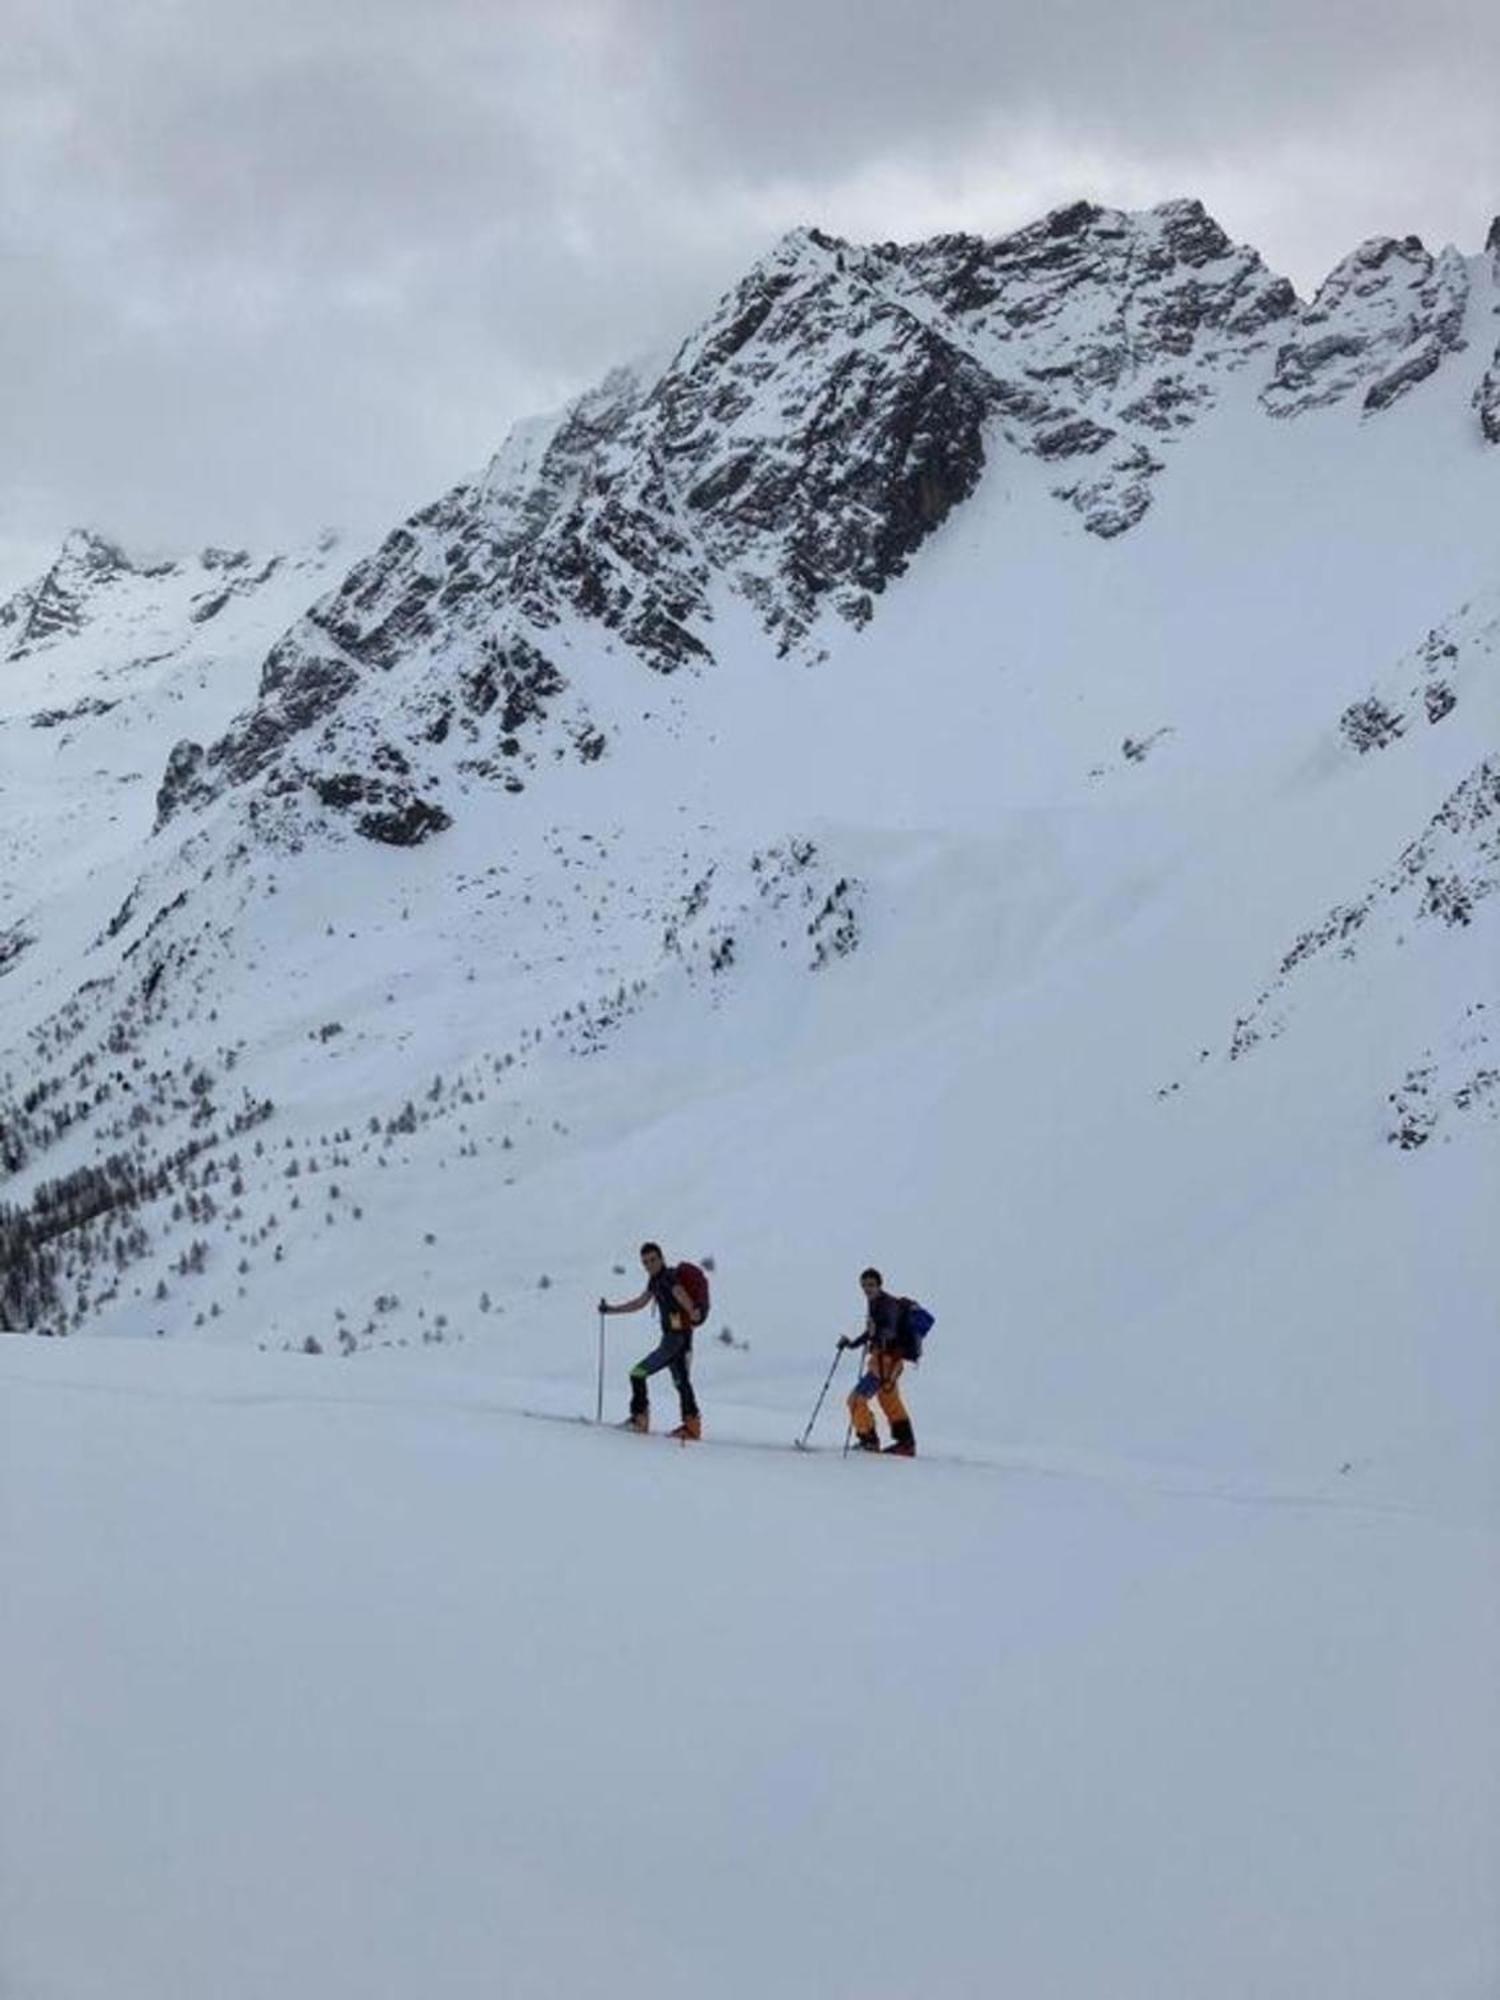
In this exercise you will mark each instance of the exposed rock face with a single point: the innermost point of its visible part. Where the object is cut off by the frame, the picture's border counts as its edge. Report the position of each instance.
(1487, 395)
(800, 446)
(299, 684)
(57, 605)
(817, 431)
(150, 608)
(1440, 877)
(1487, 401)
(1109, 334)
(182, 782)
(1383, 320)
(796, 452)
(1454, 664)
(395, 816)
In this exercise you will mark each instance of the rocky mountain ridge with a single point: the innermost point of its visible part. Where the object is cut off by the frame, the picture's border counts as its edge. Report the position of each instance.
(797, 452)
(94, 581)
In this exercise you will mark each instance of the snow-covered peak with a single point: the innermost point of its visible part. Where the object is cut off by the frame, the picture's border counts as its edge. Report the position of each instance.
(1383, 320)
(787, 464)
(806, 248)
(95, 598)
(1109, 333)
(59, 602)
(105, 661)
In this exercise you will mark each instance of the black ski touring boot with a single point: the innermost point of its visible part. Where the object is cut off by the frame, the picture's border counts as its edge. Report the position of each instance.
(902, 1444)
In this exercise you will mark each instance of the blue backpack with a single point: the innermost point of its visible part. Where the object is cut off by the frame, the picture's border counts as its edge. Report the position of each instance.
(915, 1324)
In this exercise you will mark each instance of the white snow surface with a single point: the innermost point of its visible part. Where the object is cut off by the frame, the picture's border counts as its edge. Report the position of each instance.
(1105, 942)
(352, 1682)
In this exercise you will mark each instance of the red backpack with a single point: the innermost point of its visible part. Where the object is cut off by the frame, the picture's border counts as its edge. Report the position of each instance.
(695, 1284)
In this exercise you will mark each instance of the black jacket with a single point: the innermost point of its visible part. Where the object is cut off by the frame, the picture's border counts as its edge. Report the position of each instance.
(884, 1324)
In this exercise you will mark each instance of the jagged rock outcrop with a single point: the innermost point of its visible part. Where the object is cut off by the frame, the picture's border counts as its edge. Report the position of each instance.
(817, 431)
(1440, 877)
(1382, 321)
(1487, 401)
(1109, 334)
(57, 605)
(156, 606)
(1487, 395)
(1458, 1078)
(795, 453)
(1455, 662)
(182, 782)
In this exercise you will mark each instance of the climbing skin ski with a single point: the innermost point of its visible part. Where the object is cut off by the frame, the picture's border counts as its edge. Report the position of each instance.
(669, 1437)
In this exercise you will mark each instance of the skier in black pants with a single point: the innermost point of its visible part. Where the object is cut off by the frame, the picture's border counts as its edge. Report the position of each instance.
(674, 1350)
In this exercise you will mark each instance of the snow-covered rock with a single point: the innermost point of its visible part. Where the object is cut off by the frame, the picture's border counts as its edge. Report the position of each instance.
(797, 451)
(106, 661)
(1382, 321)
(1487, 395)
(96, 590)
(1442, 876)
(1110, 334)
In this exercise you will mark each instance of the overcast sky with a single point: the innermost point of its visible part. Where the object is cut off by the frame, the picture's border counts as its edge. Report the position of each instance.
(285, 262)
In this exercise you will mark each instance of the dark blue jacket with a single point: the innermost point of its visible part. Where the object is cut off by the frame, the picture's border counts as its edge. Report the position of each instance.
(883, 1324)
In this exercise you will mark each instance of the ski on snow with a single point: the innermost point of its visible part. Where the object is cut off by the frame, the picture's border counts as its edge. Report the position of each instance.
(665, 1437)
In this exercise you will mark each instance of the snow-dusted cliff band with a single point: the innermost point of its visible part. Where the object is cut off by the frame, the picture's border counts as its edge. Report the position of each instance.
(794, 455)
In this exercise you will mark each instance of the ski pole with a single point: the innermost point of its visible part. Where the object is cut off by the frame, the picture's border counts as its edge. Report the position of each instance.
(802, 1441)
(599, 1393)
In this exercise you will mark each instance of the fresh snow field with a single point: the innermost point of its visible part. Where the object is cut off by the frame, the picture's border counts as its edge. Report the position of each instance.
(353, 1682)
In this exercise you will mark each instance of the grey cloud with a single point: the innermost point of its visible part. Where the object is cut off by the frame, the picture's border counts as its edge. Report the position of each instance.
(321, 250)
(803, 86)
(265, 265)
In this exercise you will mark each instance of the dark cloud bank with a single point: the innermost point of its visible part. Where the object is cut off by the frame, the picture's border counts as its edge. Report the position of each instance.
(266, 267)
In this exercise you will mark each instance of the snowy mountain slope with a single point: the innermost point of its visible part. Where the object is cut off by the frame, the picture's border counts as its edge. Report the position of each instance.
(946, 923)
(104, 661)
(797, 450)
(100, 617)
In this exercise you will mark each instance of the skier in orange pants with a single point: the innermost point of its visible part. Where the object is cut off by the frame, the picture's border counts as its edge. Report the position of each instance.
(885, 1341)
